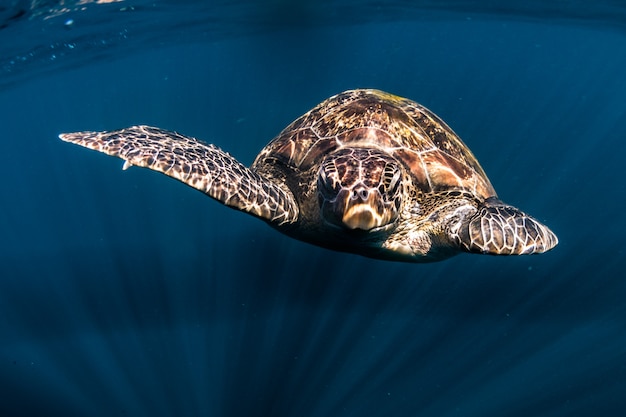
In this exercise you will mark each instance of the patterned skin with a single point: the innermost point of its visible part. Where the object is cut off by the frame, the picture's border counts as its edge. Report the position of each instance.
(365, 172)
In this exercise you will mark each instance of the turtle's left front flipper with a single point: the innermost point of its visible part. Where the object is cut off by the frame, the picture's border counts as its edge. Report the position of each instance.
(201, 166)
(499, 229)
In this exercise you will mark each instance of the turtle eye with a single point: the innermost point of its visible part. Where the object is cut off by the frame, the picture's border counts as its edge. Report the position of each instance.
(391, 179)
(327, 181)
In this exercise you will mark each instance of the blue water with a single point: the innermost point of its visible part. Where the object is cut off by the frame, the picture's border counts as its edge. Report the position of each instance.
(125, 293)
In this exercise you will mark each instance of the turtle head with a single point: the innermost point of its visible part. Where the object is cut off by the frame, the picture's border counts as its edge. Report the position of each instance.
(360, 188)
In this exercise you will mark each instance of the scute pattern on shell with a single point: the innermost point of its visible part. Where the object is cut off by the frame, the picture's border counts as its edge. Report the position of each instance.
(432, 152)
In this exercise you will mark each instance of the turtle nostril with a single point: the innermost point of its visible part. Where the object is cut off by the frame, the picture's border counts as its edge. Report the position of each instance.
(361, 194)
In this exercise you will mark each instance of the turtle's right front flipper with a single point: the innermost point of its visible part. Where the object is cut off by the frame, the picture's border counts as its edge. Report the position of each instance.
(201, 166)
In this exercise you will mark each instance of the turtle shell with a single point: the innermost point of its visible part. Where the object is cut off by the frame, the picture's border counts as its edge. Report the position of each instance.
(430, 150)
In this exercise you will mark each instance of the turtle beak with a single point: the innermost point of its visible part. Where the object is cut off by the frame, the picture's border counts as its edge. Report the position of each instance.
(363, 209)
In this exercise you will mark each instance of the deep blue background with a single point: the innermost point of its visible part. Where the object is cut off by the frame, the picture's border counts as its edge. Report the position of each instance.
(127, 293)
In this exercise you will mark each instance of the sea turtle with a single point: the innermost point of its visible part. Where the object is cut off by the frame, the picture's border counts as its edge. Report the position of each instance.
(365, 172)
